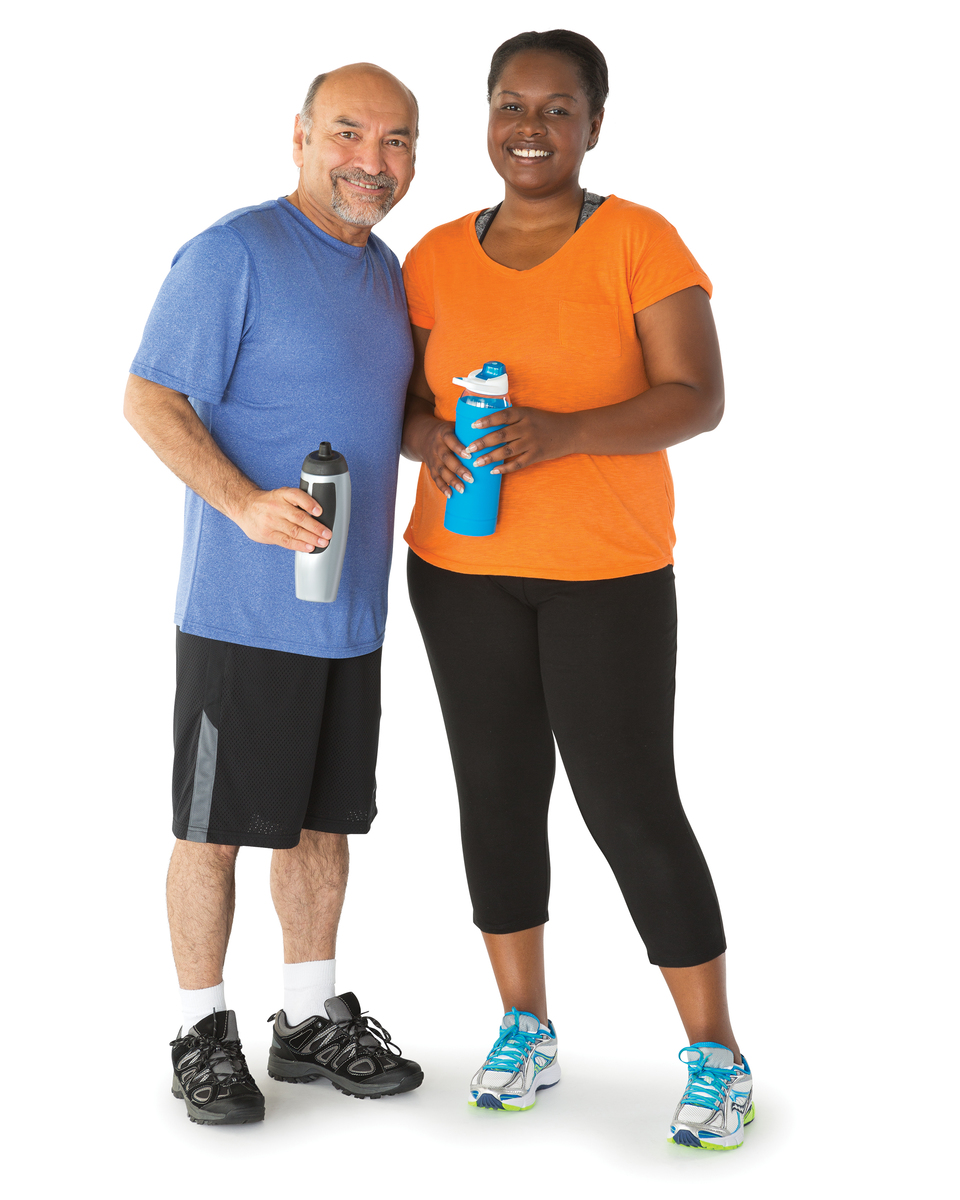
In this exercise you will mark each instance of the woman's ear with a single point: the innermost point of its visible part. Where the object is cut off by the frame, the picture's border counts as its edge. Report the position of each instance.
(595, 130)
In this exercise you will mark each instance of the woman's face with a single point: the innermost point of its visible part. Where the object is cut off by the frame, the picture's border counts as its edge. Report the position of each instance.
(540, 123)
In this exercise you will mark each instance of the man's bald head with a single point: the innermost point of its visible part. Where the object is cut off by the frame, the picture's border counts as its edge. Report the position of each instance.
(344, 74)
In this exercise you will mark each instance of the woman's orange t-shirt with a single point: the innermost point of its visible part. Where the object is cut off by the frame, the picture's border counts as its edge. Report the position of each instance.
(565, 332)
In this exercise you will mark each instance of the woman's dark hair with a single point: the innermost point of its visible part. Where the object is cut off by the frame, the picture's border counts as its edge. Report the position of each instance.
(591, 65)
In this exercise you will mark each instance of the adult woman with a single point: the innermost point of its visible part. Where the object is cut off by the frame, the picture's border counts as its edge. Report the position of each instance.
(603, 319)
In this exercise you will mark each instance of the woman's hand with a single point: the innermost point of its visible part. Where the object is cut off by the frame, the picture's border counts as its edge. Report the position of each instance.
(439, 452)
(530, 435)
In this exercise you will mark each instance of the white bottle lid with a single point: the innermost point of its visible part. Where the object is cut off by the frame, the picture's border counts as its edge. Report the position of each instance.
(487, 386)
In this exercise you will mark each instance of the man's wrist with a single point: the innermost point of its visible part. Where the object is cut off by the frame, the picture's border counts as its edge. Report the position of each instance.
(238, 498)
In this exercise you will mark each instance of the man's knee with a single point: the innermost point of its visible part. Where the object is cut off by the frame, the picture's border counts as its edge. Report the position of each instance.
(315, 837)
(206, 852)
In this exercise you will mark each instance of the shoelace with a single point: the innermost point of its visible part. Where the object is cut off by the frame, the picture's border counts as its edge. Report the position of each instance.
(511, 1047)
(216, 1054)
(706, 1086)
(366, 1026)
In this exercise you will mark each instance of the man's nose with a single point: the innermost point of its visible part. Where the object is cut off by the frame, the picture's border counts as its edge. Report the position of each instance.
(369, 158)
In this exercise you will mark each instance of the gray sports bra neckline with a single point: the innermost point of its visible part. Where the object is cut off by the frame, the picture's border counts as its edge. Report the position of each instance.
(591, 202)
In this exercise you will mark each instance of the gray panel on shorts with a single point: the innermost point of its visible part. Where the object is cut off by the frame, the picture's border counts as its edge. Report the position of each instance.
(204, 775)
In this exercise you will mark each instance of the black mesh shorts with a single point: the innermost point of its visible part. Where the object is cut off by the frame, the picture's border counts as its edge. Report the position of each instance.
(268, 743)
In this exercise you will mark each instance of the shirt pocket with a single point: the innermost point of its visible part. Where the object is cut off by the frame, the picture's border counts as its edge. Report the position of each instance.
(590, 329)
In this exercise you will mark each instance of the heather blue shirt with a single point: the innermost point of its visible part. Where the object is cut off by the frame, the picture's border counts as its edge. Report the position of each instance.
(284, 337)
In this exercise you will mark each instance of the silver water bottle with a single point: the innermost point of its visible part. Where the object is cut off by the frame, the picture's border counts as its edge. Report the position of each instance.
(325, 477)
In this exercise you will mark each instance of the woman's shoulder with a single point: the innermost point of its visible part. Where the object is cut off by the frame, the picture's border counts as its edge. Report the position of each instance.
(636, 218)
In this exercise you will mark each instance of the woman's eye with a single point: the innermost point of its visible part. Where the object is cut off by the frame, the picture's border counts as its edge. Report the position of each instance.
(561, 112)
(511, 107)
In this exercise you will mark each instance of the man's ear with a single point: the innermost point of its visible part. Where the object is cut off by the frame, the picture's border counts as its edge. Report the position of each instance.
(299, 137)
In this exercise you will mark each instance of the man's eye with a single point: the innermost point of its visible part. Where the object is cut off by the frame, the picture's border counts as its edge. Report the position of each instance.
(347, 133)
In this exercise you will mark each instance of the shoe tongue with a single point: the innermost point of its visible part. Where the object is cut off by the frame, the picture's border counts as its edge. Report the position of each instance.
(221, 1025)
(524, 1020)
(343, 1008)
(715, 1055)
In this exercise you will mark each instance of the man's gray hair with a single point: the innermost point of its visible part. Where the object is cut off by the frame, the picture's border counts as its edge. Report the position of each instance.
(306, 112)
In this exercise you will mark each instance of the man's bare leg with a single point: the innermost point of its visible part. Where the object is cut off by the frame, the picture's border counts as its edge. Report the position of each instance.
(308, 885)
(201, 892)
(700, 994)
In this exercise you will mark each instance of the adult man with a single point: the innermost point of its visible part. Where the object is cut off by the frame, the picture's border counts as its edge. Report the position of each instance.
(281, 325)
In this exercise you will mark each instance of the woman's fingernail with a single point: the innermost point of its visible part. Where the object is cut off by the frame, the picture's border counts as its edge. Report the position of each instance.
(468, 477)
(460, 488)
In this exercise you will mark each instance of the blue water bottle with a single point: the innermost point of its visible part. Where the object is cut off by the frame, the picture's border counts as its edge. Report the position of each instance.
(474, 511)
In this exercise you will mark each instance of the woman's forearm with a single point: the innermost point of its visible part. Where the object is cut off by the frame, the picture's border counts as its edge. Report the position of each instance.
(418, 421)
(661, 417)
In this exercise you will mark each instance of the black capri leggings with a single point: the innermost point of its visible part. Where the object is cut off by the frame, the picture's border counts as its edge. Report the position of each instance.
(518, 662)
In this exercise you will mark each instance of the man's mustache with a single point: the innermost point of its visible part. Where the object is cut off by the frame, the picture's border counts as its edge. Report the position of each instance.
(355, 175)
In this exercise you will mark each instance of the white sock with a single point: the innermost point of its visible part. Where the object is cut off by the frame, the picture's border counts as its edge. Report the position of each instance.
(197, 1003)
(305, 987)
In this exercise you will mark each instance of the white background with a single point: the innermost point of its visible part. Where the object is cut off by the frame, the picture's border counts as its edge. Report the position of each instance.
(798, 148)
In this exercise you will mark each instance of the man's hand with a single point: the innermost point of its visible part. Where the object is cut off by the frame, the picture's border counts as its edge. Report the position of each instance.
(167, 423)
(283, 517)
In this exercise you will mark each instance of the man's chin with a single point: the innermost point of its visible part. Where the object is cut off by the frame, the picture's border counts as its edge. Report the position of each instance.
(369, 219)
(361, 212)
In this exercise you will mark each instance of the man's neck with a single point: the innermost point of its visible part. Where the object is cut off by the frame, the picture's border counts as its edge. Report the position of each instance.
(329, 222)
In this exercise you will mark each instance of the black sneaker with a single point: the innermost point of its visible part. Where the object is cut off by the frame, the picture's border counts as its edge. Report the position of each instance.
(210, 1074)
(350, 1049)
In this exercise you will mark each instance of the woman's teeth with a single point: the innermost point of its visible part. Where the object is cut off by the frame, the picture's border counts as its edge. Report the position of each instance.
(532, 153)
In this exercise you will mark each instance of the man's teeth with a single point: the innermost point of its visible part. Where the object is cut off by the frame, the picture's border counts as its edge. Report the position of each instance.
(532, 153)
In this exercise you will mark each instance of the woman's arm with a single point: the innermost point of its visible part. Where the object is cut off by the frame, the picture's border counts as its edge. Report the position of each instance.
(682, 361)
(426, 438)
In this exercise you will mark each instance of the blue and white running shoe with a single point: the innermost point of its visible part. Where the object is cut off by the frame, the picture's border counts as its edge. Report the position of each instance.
(522, 1061)
(718, 1101)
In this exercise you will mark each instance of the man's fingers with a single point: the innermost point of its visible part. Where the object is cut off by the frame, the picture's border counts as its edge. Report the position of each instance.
(316, 529)
(295, 537)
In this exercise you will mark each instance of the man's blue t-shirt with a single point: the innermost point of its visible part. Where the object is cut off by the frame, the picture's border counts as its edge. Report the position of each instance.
(284, 337)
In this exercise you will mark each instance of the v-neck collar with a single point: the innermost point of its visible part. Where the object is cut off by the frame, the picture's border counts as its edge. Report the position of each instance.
(514, 271)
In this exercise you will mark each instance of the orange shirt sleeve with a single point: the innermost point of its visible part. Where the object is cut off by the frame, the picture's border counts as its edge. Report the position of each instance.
(418, 285)
(661, 266)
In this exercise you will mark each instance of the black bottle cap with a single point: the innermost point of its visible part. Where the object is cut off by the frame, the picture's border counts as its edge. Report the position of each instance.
(325, 461)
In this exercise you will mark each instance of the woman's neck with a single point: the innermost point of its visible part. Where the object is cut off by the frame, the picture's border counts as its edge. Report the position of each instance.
(526, 232)
(530, 214)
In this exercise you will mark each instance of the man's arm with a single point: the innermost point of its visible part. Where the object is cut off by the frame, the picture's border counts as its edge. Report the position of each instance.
(167, 423)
